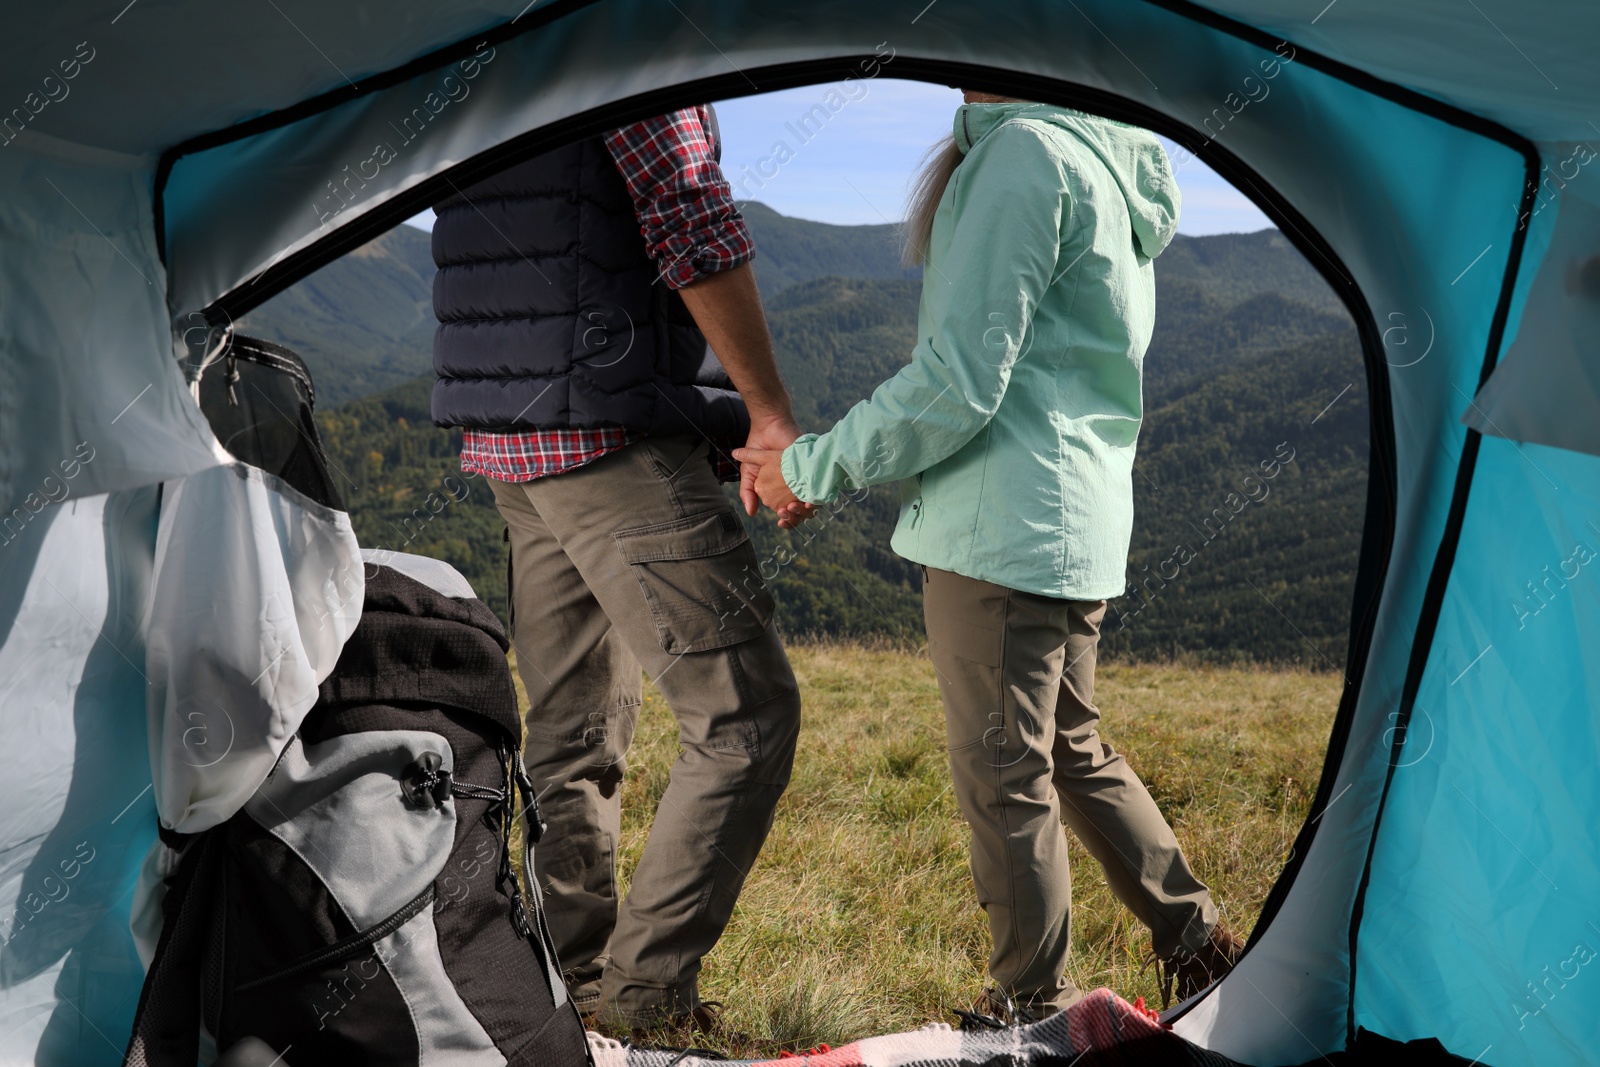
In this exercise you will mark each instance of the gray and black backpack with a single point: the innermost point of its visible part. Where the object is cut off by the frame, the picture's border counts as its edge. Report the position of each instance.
(364, 906)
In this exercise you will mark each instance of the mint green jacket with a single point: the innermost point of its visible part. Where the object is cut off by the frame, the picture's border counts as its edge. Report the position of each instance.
(1016, 420)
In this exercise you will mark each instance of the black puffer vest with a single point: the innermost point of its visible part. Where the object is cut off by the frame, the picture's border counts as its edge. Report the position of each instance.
(552, 315)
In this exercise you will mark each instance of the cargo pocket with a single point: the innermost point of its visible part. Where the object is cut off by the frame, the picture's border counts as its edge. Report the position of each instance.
(701, 579)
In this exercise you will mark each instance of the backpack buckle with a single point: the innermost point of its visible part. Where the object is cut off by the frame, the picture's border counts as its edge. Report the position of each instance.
(424, 783)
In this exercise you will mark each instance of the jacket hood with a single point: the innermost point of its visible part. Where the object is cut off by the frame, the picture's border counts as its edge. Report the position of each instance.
(1134, 157)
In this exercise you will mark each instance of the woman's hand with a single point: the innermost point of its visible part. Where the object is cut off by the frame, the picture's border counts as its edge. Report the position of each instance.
(770, 486)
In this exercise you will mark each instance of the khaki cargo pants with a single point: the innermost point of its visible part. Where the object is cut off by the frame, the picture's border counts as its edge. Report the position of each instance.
(1016, 672)
(637, 560)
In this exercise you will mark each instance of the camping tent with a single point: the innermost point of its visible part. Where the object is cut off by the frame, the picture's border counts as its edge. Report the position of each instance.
(169, 164)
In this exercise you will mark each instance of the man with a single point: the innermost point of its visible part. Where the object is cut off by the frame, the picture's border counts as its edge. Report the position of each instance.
(576, 295)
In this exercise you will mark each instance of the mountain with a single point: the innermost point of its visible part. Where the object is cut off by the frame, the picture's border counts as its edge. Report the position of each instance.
(365, 322)
(1202, 336)
(1249, 495)
(837, 338)
(401, 479)
(791, 251)
(1249, 489)
(1233, 267)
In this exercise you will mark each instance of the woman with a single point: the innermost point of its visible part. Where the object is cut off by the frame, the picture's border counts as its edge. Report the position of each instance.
(1015, 424)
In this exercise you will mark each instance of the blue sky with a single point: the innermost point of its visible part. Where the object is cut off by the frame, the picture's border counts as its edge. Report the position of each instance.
(854, 167)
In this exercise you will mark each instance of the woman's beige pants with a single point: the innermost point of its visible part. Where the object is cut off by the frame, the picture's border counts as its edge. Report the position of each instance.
(1016, 671)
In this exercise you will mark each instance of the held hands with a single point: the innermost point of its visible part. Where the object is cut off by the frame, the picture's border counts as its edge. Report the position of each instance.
(761, 472)
(765, 471)
(768, 436)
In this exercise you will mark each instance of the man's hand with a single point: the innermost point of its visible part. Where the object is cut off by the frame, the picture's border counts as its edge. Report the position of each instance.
(769, 437)
(764, 468)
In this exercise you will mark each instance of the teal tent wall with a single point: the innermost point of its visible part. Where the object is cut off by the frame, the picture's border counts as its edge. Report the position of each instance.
(1447, 867)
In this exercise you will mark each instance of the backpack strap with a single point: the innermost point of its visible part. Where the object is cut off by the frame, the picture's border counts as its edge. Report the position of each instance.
(533, 930)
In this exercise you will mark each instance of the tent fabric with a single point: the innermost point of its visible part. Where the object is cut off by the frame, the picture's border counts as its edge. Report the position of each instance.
(1546, 389)
(81, 817)
(87, 372)
(1487, 850)
(204, 158)
(156, 72)
(254, 592)
(1529, 67)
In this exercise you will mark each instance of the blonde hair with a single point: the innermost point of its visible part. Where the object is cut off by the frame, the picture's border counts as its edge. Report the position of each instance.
(926, 191)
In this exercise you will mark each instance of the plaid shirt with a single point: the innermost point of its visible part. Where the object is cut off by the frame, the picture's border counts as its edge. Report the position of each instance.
(691, 229)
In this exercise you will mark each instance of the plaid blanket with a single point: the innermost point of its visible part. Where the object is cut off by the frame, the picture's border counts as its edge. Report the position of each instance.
(1101, 1030)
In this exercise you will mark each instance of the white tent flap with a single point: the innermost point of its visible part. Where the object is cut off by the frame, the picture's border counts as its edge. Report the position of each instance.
(256, 589)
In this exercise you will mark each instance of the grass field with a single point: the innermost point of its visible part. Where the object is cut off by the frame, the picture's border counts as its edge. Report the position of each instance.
(860, 916)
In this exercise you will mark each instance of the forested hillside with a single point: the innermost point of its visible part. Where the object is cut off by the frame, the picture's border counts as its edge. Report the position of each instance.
(365, 322)
(1249, 489)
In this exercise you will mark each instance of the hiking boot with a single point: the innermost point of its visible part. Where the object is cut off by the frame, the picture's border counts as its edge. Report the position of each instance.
(585, 998)
(996, 1009)
(1192, 972)
(702, 1020)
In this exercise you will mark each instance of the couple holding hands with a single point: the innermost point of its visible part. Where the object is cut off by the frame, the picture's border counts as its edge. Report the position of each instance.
(1011, 430)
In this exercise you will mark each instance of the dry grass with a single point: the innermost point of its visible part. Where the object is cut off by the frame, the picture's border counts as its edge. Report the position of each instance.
(860, 916)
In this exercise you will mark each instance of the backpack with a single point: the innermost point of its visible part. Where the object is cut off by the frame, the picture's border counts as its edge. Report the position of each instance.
(363, 907)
